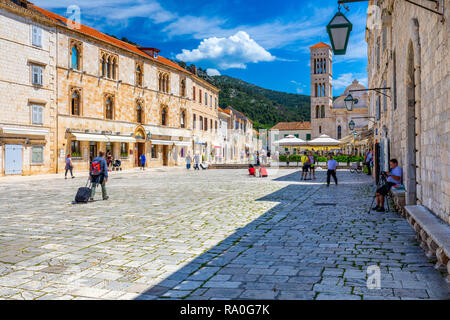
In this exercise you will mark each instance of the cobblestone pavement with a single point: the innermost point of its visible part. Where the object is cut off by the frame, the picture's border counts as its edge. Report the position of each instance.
(215, 234)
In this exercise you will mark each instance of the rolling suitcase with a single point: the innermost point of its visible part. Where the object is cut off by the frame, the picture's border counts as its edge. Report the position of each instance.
(263, 172)
(84, 193)
(251, 171)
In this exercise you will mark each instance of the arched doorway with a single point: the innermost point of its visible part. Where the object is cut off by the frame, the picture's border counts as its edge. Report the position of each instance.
(411, 173)
(139, 146)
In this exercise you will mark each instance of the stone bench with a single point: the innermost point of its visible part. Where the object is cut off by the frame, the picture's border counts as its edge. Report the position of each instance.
(399, 199)
(433, 233)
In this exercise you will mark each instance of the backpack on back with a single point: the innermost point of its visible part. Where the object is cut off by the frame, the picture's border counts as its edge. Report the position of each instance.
(96, 168)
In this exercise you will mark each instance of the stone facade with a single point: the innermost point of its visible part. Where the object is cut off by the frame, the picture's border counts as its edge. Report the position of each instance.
(408, 52)
(27, 104)
(98, 94)
(327, 116)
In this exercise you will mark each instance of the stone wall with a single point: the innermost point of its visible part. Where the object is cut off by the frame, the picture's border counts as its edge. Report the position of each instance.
(413, 61)
(17, 55)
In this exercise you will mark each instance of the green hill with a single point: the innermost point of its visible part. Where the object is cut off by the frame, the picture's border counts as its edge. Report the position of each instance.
(264, 107)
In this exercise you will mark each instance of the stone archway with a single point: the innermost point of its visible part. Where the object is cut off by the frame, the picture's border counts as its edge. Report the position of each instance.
(140, 145)
(413, 115)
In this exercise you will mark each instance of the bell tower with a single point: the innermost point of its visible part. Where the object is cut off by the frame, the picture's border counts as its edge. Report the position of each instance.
(321, 90)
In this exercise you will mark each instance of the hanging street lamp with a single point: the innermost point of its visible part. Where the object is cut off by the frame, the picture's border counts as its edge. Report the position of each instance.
(351, 125)
(349, 101)
(339, 30)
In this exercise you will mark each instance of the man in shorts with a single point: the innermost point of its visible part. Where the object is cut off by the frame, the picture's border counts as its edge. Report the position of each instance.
(394, 177)
(312, 163)
(306, 165)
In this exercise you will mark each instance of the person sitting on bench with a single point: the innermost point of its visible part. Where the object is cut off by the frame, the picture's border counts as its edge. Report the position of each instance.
(394, 176)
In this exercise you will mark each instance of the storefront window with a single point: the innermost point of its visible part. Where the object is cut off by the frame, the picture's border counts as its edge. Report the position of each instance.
(75, 149)
(124, 149)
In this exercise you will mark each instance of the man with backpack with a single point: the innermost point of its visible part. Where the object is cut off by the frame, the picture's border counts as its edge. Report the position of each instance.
(98, 173)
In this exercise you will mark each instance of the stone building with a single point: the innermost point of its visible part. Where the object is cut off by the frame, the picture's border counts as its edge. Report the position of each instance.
(96, 93)
(327, 116)
(224, 137)
(27, 91)
(359, 114)
(408, 53)
(241, 135)
(281, 130)
(321, 91)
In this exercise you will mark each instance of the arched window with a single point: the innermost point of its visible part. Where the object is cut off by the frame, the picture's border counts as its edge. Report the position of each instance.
(183, 87)
(139, 113)
(339, 132)
(104, 66)
(114, 68)
(139, 75)
(200, 123)
(183, 119)
(320, 129)
(322, 111)
(317, 112)
(316, 91)
(108, 67)
(75, 103)
(109, 108)
(75, 58)
(164, 117)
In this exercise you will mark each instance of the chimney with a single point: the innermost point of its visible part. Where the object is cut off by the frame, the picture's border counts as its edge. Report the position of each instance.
(153, 52)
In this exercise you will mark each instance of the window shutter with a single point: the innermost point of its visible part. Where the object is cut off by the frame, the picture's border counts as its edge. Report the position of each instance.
(40, 69)
(40, 114)
(37, 36)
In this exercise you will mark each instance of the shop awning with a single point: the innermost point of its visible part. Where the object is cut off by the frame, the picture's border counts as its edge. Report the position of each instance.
(24, 131)
(183, 143)
(89, 137)
(163, 142)
(121, 139)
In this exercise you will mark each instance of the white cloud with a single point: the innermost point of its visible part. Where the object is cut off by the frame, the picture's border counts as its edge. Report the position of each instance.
(345, 79)
(233, 52)
(213, 72)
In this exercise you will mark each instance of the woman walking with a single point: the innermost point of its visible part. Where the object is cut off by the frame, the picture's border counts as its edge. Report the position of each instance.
(69, 166)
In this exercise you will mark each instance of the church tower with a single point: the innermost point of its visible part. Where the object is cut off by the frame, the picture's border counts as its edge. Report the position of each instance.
(321, 90)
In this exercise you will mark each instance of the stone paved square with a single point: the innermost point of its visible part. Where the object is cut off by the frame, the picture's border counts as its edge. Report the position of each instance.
(215, 234)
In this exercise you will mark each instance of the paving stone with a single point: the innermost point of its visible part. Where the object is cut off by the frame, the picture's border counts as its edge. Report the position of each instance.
(265, 238)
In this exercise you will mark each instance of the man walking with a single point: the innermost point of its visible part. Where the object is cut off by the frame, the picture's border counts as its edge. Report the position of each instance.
(332, 166)
(143, 159)
(196, 161)
(188, 161)
(99, 175)
(368, 161)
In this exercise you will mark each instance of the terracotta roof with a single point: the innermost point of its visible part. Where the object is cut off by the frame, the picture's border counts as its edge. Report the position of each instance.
(320, 45)
(304, 125)
(101, 36)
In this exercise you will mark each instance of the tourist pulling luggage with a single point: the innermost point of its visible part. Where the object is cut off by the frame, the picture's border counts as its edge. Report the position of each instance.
(84, 193)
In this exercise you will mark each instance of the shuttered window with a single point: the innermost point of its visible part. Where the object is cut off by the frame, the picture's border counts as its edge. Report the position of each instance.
(36, 36)
(37, 114)
(37, 77)
(37, 154)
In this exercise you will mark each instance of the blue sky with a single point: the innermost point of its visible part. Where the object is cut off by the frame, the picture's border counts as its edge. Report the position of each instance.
(263, 42)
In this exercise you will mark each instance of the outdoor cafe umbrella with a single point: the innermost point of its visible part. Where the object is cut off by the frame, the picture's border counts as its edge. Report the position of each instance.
(324, 140)
(290, 141)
